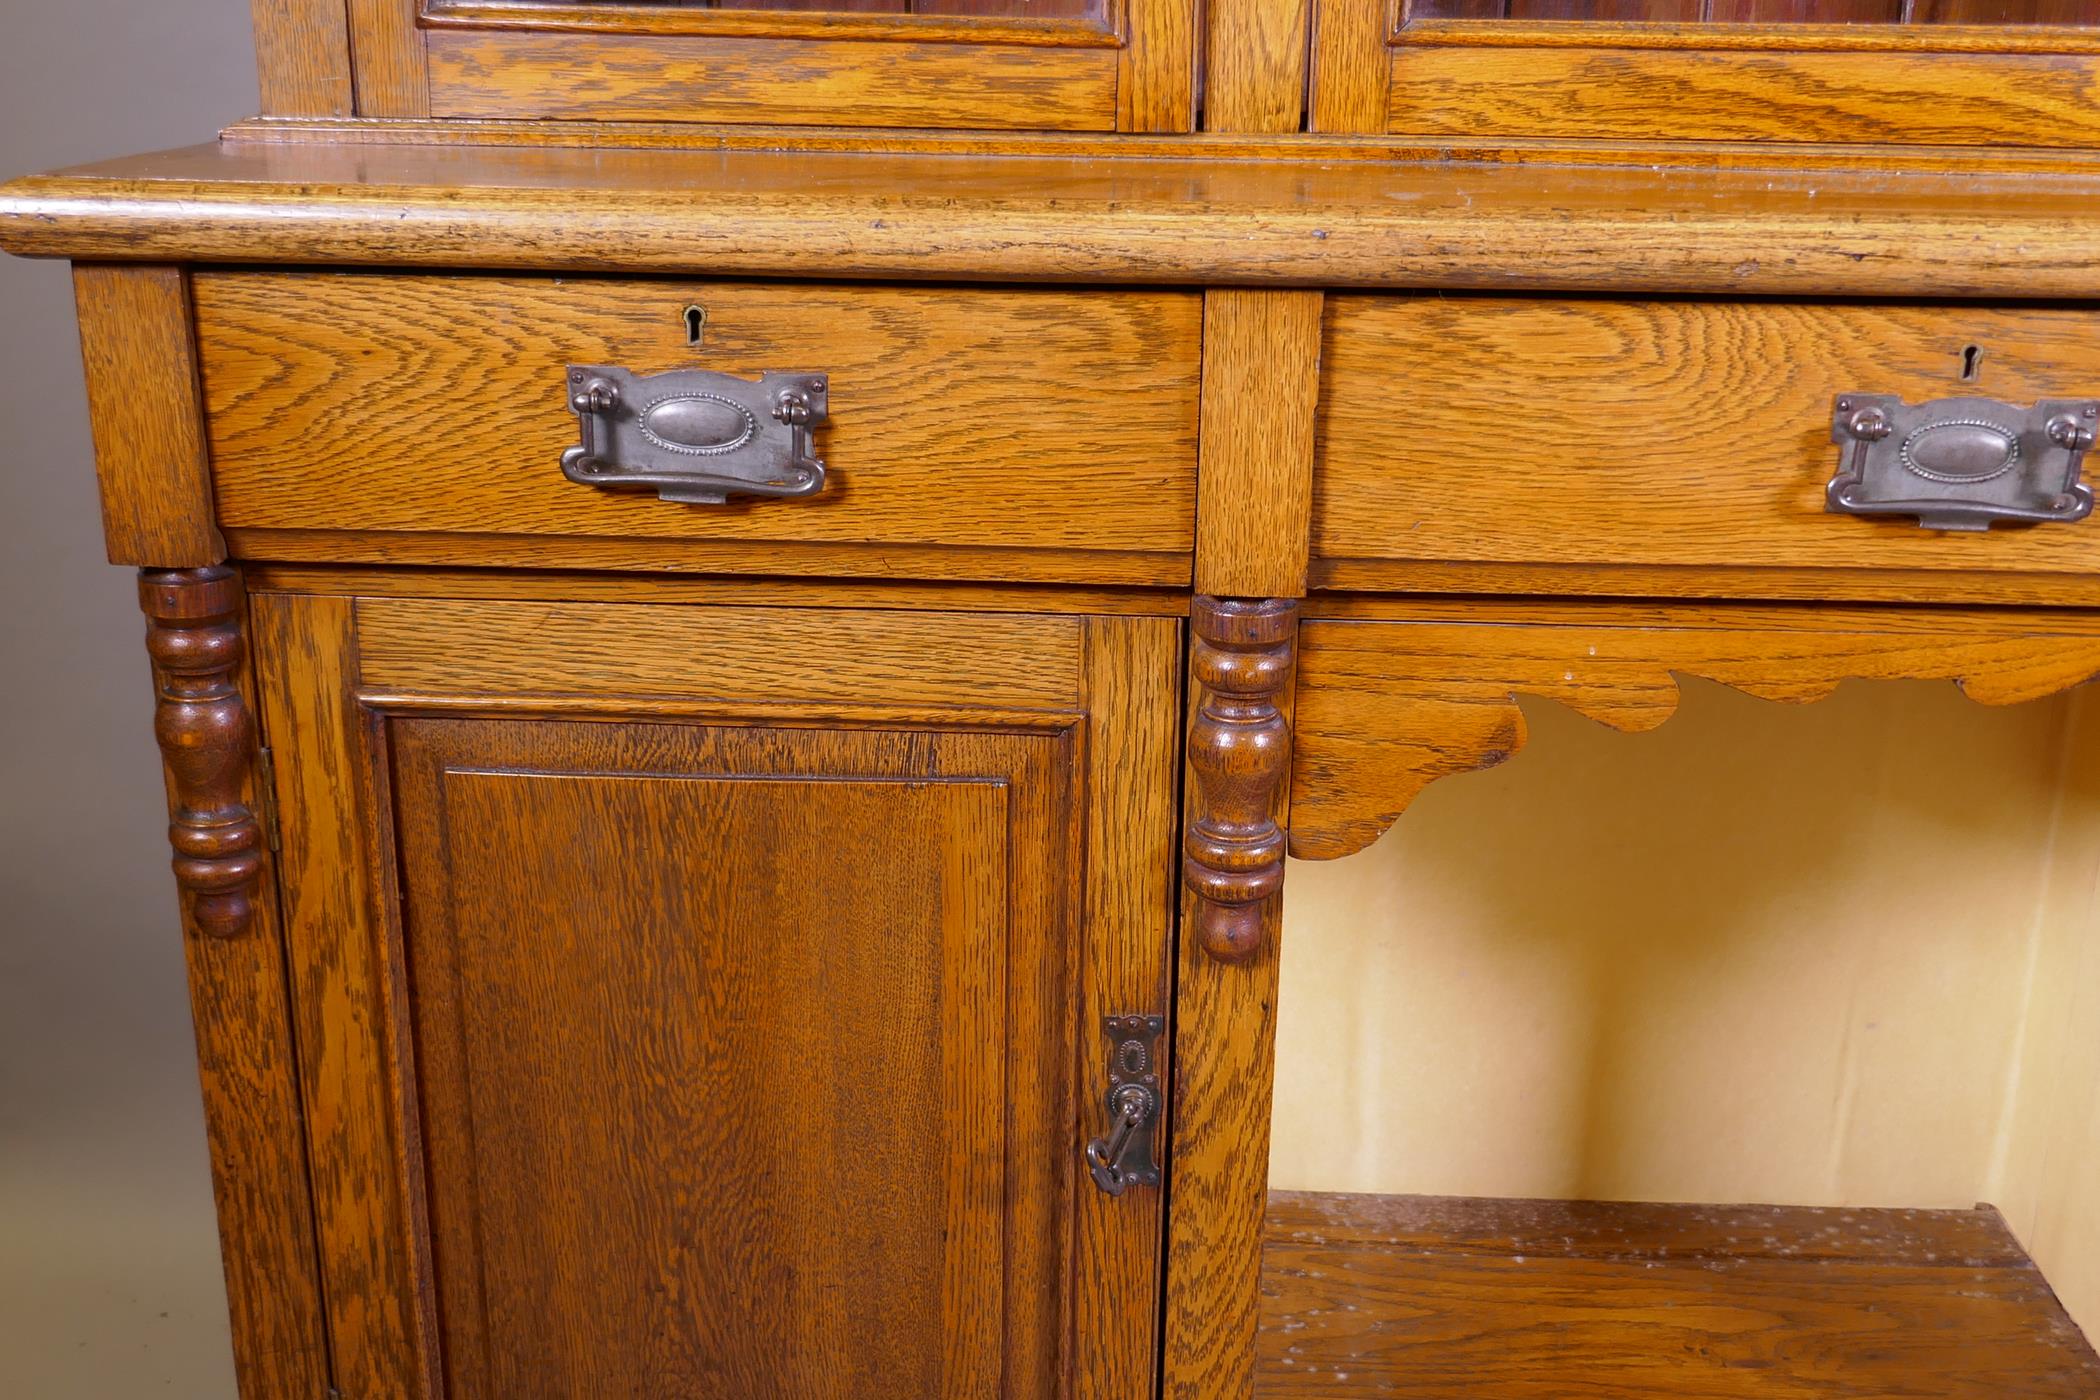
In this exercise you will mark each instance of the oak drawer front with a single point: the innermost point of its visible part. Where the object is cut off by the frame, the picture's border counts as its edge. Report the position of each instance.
(971, 433)
(1533, 445)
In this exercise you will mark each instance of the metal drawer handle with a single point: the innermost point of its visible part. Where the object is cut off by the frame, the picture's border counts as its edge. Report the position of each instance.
(1961, 464)
(696, 435)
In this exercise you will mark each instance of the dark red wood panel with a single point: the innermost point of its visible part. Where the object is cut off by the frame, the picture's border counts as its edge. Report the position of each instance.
(1804, 11)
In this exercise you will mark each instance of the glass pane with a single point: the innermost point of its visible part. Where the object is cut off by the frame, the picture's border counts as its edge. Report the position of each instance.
(994, 9)
(2070, 12)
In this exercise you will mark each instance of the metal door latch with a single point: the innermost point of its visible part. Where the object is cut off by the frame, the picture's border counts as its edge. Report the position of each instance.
(1126, 1157)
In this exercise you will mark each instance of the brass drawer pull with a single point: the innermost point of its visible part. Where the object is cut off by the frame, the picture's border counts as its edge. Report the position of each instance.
(1961, 464)
(695, 435)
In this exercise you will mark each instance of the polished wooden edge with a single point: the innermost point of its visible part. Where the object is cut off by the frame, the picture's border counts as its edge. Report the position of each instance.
(207, 739)
(1837, 241)
(770, 24)
(643, 708)
(926, 563)
(1826, 618)
(1334, 578)
(911, 595)
(1219, 147)
(1238, 753)
(1862, 39)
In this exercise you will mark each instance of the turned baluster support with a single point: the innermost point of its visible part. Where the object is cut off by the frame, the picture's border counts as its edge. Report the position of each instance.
(193, 634)
(1239, 757)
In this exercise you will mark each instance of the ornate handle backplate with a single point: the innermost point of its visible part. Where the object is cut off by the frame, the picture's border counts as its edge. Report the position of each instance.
(1961, 464)
(695, 435)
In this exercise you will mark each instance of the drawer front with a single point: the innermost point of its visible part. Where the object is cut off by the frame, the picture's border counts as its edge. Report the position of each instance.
(1519, 445)
(1000, 434)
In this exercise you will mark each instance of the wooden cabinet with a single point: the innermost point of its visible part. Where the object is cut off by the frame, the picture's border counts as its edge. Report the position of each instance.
(1919, 72)
(653, 938)
(1066, 65)
(710, 1000)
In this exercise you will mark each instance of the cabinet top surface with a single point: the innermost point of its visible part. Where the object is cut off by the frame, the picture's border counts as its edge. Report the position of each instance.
(1214, 210)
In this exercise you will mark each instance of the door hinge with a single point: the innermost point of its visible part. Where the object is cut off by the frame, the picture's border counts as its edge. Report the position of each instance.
(1125, 1157)
(266, 793)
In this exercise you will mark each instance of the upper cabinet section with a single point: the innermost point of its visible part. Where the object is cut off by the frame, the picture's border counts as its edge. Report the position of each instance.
(995, 65)
(1917, 72)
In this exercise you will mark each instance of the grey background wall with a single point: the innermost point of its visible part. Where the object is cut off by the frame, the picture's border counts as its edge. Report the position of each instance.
(109, 1273)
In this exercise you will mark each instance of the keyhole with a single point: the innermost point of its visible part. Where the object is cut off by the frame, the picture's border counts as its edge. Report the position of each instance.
(695, 324)
(1971, 362)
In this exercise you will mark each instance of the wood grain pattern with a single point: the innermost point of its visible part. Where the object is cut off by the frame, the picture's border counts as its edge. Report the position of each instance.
(1802, 36)
(207, 742)
(610, 77)
(1238, 754)
(302, 58)
(1156, 68)
(1255, 64)
(1207, 148)
(1224, 1087)
(1133, 756)
(408, 404)
(238, 1008)
(146, 413)
(1880, 585)
(387, 53)
(1350, 66)
(892, 596)
(1054, 22)
(1664, 433)
(1927, 99)
(1045, 832)
(442, 646)
(1435, 1299)
(776, 1135)
(1441, 215)
(356, 1072)
(1386, 707)
(820, 559)
(1261, 361)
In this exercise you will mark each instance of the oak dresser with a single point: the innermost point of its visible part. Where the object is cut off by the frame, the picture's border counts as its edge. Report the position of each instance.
(747, 600)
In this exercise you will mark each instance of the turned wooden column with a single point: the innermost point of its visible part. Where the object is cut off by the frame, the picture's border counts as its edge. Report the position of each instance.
(193, 634)
(1239, 756)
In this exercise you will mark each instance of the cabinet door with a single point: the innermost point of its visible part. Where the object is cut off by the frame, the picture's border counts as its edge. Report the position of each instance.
(707, 1000)
(1922, 72)
(1061, 65)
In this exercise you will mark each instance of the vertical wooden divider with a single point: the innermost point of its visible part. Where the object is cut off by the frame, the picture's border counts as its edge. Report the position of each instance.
(1352, 69)
(232, 937)
(1254, 68)
(1261, 352)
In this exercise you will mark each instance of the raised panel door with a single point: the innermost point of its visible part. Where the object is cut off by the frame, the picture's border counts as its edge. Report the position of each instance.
(721, 1024)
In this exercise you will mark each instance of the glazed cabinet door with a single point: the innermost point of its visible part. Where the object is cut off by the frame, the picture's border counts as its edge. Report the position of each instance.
(708, 1000)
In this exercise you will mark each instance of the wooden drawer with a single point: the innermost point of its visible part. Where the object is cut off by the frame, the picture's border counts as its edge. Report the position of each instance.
(1499, 444)
(972, 433)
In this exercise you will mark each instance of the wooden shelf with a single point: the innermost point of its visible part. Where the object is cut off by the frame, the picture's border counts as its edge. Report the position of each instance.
(1431, 1297)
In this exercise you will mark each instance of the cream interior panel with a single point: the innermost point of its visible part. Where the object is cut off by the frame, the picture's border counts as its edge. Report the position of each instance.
(1827, 955)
